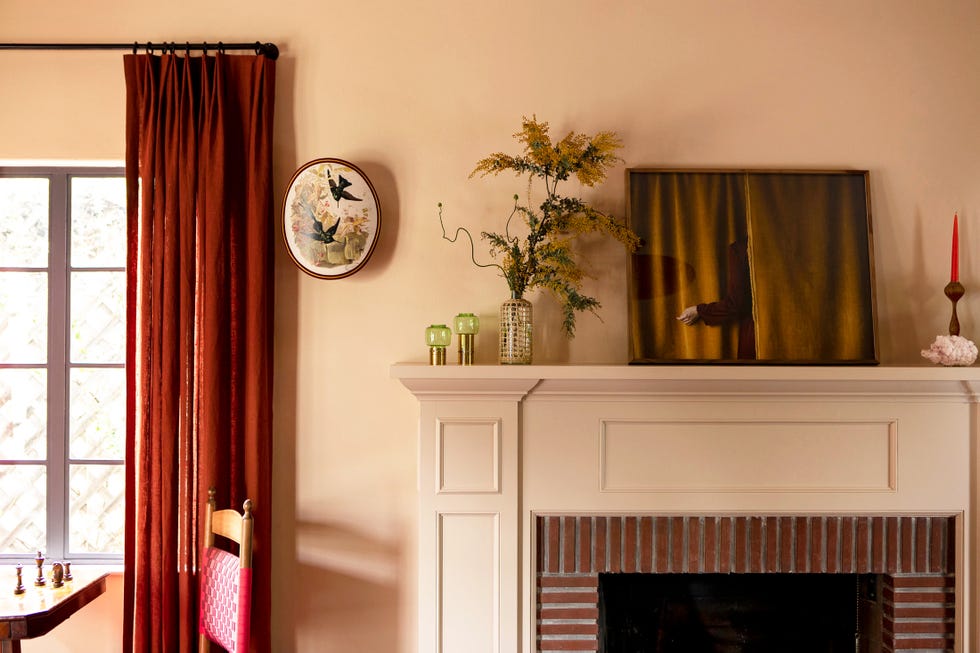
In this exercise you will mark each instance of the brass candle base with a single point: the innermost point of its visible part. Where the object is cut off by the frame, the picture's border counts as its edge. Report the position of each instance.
(466, 348)
(437, 355)
(954, 290)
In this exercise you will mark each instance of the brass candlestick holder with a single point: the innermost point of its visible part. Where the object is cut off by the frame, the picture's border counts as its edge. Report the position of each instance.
(39, 581)
(954, 290)
(20, 580)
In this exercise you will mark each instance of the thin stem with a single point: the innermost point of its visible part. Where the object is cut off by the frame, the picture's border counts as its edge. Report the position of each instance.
(472, 246)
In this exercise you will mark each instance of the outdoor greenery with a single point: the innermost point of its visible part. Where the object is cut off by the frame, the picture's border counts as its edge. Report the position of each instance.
(541, 255)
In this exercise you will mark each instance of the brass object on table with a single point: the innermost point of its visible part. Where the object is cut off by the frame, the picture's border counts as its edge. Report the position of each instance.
(20, 580)
(57, 575)
(39, 581)
(955, 291)
(67, 570)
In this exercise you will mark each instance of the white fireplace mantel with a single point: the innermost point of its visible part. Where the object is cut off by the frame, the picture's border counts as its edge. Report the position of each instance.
(500, 445)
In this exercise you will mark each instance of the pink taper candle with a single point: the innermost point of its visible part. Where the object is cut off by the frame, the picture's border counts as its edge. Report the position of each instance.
(954, 272)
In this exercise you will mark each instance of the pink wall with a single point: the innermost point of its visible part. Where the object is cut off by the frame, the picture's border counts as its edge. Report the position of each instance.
(415, 93)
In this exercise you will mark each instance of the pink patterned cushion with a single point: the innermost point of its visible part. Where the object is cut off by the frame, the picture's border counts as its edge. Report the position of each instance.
(226, 592)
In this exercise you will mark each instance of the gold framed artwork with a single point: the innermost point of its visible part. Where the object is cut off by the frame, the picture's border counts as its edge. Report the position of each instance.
(331, 218)
(751, 266)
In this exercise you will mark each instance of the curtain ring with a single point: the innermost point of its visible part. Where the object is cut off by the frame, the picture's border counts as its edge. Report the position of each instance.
(149, 47)
(221, 47)
(204, 48)
(188, 48)
(136, 45)
(258, 48)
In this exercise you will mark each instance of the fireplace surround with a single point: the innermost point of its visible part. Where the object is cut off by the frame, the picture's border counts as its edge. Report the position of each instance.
(798, 466)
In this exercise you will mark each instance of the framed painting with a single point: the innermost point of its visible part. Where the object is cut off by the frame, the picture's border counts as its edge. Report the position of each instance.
(751, 266)
(331, 218)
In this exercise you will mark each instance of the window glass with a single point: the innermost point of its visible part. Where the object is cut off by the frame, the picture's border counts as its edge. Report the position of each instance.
(97, 413)
(98, 222)
(98, 317)
(24, 222)
(23, 414)
(23, 494)
(23, 317)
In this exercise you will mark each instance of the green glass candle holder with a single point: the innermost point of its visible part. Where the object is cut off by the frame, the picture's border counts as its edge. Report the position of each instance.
(467, 325)
(437, 337)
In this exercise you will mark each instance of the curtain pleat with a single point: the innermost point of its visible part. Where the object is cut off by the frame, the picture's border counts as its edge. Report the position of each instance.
(200, 341)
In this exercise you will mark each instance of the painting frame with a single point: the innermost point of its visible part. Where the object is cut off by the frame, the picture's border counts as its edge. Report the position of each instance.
(331, 218)
(751, 266)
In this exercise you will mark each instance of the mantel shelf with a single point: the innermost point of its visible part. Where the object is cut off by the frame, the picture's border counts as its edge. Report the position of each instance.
(934, 383)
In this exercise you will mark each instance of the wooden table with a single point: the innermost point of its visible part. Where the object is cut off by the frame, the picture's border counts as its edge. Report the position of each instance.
(40, 609)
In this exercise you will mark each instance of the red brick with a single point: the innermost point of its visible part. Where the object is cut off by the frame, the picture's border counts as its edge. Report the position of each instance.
(923, 581)
(923, 627)
(646, 545)
(568, 629)
(740, 564)
(569, 581)
(833, 548)
(554, 542)
(568, 544)
(924, 597)
(567, 645)
(615, 544)
(802, 539)
(600, 544)
(568, 613)
(662, 545)
(919, 643)
(921, 544)
(863, 564)
(928, 612)
(710, 544)
(772, 544)
(892, 539)
(877, 545)
(936, 557)
(848, 559)
(908, 537)
(693, 545)
(816, 545)
(950, 546)
(786, 544)
(584, 544)
(540, 524)
(725, 546)
(568, 597)
(677, 544)
(755, 545)
(629, 550)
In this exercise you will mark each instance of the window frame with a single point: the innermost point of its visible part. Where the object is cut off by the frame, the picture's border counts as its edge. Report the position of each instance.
(59, 365)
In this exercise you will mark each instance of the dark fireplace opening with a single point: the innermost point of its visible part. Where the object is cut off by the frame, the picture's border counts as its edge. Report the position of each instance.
(744, 613)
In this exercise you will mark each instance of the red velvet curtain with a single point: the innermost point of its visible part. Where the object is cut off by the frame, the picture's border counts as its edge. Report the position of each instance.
(200, 329)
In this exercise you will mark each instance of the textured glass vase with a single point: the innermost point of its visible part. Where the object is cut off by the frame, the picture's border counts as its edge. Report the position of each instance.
(515, 332)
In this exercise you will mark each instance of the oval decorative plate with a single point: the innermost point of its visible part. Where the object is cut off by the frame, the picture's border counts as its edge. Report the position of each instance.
(331, 218)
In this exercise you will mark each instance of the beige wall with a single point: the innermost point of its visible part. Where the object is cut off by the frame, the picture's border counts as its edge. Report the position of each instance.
(414, 93)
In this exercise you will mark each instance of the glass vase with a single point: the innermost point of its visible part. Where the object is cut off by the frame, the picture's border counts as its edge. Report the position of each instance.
(515, 331)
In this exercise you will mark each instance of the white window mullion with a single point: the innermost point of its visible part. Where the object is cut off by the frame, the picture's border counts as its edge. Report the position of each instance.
(58, 335)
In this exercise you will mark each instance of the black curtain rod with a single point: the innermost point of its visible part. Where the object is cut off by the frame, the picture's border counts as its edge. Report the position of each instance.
(268, 49)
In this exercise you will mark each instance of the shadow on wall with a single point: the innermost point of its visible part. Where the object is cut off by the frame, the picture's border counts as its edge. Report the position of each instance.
(348, 593)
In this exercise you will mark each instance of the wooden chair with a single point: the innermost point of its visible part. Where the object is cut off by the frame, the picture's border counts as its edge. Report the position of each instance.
(226, 579)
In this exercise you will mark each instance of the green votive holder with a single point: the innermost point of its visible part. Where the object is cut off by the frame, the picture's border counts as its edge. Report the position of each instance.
(437, 337)
(467, 325)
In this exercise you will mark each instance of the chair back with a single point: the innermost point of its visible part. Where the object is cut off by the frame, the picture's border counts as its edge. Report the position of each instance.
(226, 579)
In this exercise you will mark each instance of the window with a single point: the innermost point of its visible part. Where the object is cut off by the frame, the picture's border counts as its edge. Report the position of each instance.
(62, 354)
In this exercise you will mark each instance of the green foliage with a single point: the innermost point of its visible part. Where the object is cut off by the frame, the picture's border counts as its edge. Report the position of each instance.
(543, 256)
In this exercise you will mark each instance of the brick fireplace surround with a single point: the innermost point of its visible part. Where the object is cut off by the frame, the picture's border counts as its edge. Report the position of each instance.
(913, 553)
(533, 480)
